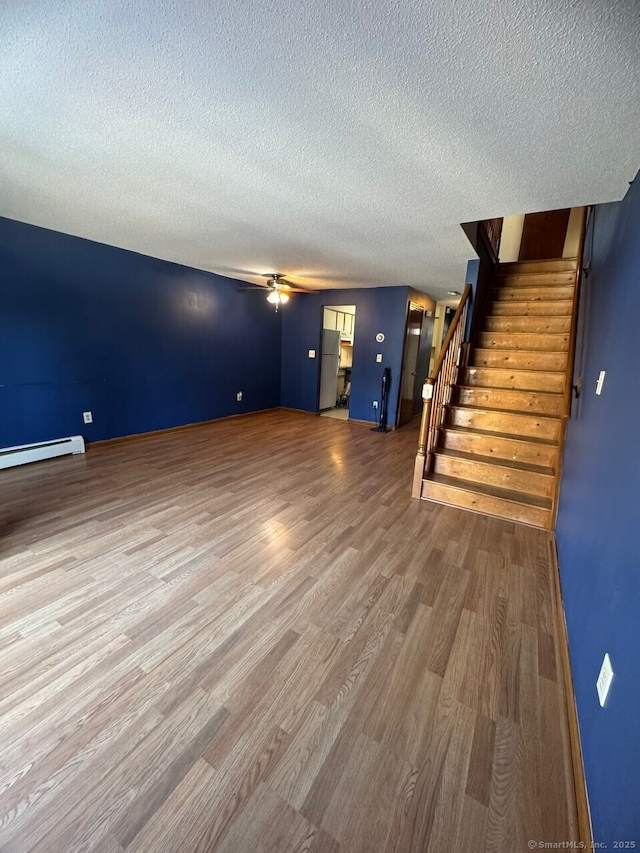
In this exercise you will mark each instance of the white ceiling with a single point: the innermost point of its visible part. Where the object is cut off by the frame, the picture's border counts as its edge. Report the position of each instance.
(339, 142)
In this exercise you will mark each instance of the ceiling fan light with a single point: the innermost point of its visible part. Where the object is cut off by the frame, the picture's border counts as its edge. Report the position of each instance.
(277, 297)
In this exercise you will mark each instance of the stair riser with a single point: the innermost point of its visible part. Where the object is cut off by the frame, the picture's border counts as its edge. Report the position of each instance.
(536, 279)
(550, 308)
(530, 453)
(487, 504)
(524, 380)
(514, 400)
(519, 360)
(514, 424)
(524, 341)
(528, 482)
(531, 294)
(523, 267)
(527, 324)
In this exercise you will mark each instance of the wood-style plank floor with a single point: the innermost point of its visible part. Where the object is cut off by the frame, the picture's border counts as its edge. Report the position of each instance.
(248, 637)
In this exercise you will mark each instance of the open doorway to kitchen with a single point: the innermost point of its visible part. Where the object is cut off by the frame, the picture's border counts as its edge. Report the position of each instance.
(338, 331)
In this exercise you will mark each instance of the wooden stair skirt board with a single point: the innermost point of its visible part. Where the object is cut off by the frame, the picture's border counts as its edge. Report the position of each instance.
(498, 451)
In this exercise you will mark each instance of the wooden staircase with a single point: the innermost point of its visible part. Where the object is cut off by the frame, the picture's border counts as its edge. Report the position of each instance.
(499, 446)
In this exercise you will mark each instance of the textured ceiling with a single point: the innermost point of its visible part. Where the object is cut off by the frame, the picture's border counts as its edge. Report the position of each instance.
(339, 142)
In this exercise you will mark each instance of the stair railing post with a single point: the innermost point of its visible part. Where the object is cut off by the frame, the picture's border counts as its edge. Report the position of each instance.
(421, 456)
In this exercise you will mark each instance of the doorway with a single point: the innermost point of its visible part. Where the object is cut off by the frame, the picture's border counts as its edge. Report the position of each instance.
(338, 333)
(543, 235)
(415, 361)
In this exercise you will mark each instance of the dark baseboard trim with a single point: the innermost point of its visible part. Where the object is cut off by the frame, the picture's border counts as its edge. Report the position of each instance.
(298, 411)
(125, 438)
(136, 436)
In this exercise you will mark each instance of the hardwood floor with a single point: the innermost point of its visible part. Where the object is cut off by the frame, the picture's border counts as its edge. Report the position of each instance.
(248, 637)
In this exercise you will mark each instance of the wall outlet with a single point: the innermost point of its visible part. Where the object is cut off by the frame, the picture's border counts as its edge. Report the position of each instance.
(87, 417)
(375, 404)
(312, 353)
(604, 680)
(379, 358)
(600, 383)
(239, 396)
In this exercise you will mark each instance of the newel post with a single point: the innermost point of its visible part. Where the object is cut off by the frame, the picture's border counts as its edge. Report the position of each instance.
(418, 471)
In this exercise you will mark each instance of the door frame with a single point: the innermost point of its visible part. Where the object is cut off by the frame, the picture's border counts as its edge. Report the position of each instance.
(411, 306)
(337, 306)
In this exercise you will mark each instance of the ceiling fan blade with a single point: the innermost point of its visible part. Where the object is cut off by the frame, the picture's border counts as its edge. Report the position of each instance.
(291, 289)
(235, 271)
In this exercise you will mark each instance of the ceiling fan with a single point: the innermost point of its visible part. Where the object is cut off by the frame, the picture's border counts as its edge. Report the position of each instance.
(279, 289)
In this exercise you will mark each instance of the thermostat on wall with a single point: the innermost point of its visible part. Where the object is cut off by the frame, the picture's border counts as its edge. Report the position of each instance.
(379, 337)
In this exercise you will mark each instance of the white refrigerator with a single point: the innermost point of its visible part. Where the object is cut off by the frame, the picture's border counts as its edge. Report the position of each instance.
(329, 368)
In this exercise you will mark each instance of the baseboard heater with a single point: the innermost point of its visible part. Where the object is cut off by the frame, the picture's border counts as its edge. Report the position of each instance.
(23, 453)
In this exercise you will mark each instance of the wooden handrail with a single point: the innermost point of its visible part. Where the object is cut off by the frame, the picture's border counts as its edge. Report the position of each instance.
(436, 391)
(574, 321)
(445, 344)
(568, 385)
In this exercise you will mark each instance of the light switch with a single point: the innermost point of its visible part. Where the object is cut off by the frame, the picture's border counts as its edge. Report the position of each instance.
(379, 357)
(604, 680)
(600, 382)
(312, 353)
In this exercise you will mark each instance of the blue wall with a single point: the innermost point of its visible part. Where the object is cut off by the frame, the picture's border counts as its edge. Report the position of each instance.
(598, 530)
(142, 343)
(381, 309)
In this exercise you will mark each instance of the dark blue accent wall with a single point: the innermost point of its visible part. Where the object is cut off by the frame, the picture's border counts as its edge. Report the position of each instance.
(598, 530)
(142, 343)
(382, 309)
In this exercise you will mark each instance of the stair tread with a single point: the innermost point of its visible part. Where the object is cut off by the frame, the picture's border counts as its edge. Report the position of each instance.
(494, 434)
(491, 491)
(495, 460)
(529, 334)
(505, 411)
(532, 279)
(571, 262)
(533, 352)
(533, 291)
(502, 273)
(501, 270)
(537, 317)
(483, 388)
(516, 303)
(533, 370)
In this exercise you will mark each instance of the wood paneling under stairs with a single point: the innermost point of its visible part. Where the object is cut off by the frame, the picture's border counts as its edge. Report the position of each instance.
(248, 637)
(500, 448)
